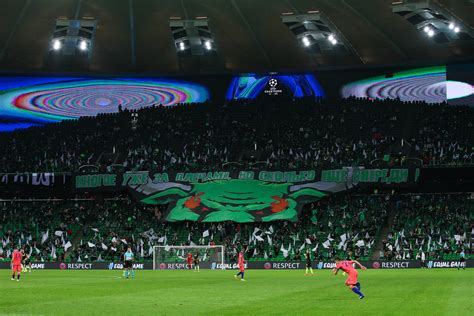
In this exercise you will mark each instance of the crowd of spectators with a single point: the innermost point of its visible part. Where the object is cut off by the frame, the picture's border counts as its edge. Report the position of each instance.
(292, 134)
(44, 229)
(430, 227)
(437, 225)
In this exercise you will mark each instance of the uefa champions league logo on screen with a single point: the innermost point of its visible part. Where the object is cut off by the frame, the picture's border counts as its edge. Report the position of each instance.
(273, 88)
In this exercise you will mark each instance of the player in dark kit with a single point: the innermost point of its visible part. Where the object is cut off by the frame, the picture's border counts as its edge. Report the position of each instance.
(27, 263)
(196, 262)
(308, 263)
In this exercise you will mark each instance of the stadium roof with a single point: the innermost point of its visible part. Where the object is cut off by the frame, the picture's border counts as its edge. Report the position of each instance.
(249, 34)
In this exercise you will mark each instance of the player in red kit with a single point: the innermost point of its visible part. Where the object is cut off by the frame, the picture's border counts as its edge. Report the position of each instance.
(189, 260)
(348, 267)
(16, 264)
(241, 263)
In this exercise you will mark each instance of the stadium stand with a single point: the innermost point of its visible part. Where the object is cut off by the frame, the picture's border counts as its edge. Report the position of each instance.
(440, 225)
(190, 137)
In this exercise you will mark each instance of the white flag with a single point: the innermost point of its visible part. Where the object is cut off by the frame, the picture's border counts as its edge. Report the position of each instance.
(326, 244)
(124, 241)
(67, 245)
(343, 237)
(270, 229)
(161, 239)
(308, 241)
(205, 234)
(360, 243)
(58, 233)
(315, 248)
(302, 247)
(270, 242)
(45, 236)
(259, 238)
(90, 244)
(95, 229)
(104, 246)
(113, 249)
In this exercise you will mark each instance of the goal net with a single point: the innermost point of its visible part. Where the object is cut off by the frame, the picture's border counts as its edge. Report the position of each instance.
(174, 257)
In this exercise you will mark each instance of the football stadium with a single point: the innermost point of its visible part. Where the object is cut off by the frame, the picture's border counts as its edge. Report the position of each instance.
(236, 157)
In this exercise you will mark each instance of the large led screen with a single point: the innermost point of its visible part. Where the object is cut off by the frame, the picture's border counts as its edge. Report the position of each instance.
(424, 84)
(29, 101)
(253, 86)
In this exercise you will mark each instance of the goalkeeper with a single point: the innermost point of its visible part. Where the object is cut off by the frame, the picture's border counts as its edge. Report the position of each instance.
(196, 262)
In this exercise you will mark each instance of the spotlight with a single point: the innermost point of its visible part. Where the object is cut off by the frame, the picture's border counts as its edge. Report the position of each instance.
(331, 38)
(431, 33)
(181, 46)
(83, 45)
(426, 29)
(334, 41)
(207, 44)
(306, 42)
(451, 26)
(456, 29)
(56, 45)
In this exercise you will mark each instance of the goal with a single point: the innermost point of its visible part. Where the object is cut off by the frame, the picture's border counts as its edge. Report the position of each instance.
(174, 257)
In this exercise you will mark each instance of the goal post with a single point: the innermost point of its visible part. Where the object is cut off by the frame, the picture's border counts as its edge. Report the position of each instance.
(211, 257)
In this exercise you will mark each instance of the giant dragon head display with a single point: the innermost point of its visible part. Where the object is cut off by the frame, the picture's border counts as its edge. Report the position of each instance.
(235, 199)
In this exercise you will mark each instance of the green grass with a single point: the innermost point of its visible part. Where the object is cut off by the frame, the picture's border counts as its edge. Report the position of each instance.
(266, 292)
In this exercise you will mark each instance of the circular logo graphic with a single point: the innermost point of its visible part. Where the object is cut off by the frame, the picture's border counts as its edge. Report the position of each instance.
(162, 266)
(62, 266)
(376, 265)
(273, 83)
(267, 265)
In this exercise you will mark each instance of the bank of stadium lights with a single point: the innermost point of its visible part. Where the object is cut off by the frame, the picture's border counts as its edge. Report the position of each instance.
(192, 37)
(72, 42)
(433, 20)
(316, 33)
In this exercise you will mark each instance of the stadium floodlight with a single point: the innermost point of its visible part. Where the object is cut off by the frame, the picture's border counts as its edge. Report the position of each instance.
(83, 45)
(72, 42)
(316, 32)
(57, 45)
(173, 257)
(306, 42)
(434, 19)
(192, 37)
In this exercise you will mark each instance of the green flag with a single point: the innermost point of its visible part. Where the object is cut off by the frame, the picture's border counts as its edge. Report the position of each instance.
(314, 219)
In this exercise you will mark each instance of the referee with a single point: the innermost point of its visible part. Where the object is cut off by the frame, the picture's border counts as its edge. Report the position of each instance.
(128, 263)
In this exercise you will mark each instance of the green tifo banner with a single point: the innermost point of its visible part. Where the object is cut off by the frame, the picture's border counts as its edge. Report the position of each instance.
(248, 196)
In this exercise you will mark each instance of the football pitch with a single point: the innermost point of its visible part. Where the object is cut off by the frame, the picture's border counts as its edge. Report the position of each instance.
(266, 292)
